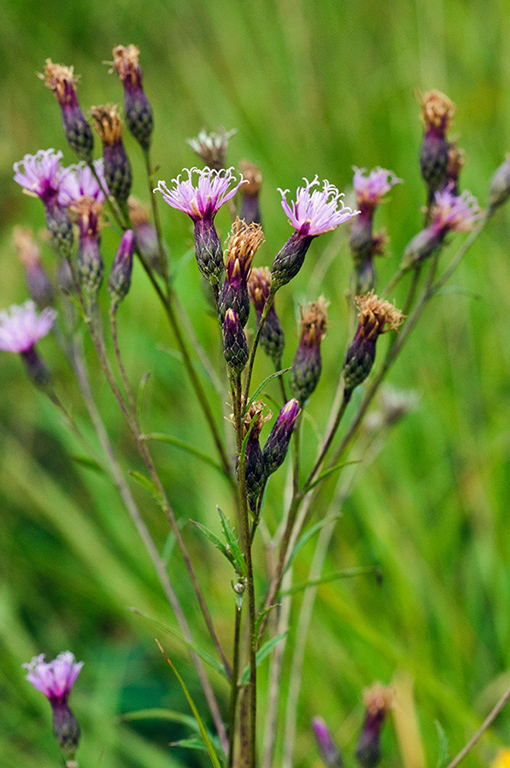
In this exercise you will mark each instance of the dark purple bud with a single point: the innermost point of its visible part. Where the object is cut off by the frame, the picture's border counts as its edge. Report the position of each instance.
(250, 209)
(235, 346)
(78, 132)
(272, 338)
(325, 743)
(119, 281)
(244, 240)
(254, 467)
(65, 728)
(137, 107)
(208, 250)
(437, 112)
(378, 701)
(117, 168)
(277, 443)
(499, 187)
(289, 260)
(307, 364)
(89, 263)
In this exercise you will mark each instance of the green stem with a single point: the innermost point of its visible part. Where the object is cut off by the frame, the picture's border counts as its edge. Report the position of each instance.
(234, 684)
(249, 368)
(157, 222)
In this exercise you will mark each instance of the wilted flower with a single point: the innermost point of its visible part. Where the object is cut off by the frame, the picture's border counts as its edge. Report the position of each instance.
(137, 107)
(312, 213)
(201, 200)
(250, 192)
(327, 748)
(378, 701)
(62, 82)
(119, 281)
(307, 363)
(272, 338)
(212, 147)
(55, 679)
(242, 244)
(375, 317)
(277, 444)
(117, 168)
(20, 329)
(436, 115)
(39, 286)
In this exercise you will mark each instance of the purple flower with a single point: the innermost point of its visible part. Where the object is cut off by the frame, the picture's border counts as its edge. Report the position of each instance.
(21, 327)
(55, 678)
(325, 743)
(369, 189)
(41, 174)
(456, 213)
(78, 181)
(203, 199)
(315, 212)
(277, 444)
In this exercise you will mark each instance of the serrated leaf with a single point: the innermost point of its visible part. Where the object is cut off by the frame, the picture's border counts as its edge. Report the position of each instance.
(86, 461)
(233, 544)
(262, 653)
(345, 574)
(261, 387)
(147, 484)
(307, 536)
(141, 392)
(330, 471)
(215, 540)
(161, 437)
(203, 732)
(204, 655)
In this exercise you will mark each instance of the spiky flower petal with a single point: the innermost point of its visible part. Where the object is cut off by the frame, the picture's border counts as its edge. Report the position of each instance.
(201, 199)
(316, 211)
(369, 189)
(21, 327)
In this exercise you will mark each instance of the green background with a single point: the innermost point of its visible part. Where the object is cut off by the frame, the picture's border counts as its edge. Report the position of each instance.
(312, 87)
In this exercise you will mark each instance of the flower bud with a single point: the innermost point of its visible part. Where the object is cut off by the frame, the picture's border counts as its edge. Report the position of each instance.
(250, 210)
(60, 228)
(78, 132)
(235, 346)
(65, 729)
(254, 467)
(499, 186)
(119, 281)
(376, 316)
(272, 338)
(212, 147)
(378, 701)
(37, 371)
(146, 235)
(327, 748)
(208, 251)
(277, 444)
(437, 112)
(117, 168)
(137, 107)
(289, 260)
(307, 363)
(89, 263)
(38, 283)
(243, 242)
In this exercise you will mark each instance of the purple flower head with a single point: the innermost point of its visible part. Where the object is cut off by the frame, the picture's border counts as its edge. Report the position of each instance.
(277, 443)
(314, 212)
(369, 189)
(55, 678)
(456, 213)
(78, 181)
(203, 199)
(41, 174)
(21, 327)
(327, 748)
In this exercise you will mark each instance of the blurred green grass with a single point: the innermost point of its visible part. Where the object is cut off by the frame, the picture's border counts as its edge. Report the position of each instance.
(312, 88)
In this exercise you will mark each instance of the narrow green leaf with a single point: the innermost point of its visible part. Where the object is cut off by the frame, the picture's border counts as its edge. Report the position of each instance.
(307, 536)
(330, 471)
(185, 447)
(260, 618)
(207, 740)
(345, 574)
(215, 540)
(233, 544)
(89, 463)
(442, 760)
(204, 655)
(141, 393)
(147, 484)
(192, 743)
(262, 652)
(160, 714)
(261, 387)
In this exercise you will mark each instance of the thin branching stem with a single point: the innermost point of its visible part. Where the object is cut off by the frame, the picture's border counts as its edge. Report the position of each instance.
(479, 733)
(249, 368)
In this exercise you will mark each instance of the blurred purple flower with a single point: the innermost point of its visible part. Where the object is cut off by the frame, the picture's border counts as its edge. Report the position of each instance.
(55, 678)
(78, 181)
(21, 327)
(456, 213)
(369, 189)
(41, 174)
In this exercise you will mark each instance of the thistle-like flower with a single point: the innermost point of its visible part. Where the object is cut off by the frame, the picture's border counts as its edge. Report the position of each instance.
(201, 200)
(250, 192)
(38, 282)
(307, 363)
(20, 329)
(235, 346)
(78, 181)
(378, 701)
(146, 235)
(243, 242)
(277, 444)
(119, 281)
(62, 82)
(212, 147)
(117, 168)
(437, 113)
(55, 680)
(272, 338)
(370, 189)
(327, 748)
(311, 214)
(451, 213)
(137, 107)
(375, 317)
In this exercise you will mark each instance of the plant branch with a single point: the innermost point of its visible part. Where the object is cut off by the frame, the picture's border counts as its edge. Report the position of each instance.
(484, 726)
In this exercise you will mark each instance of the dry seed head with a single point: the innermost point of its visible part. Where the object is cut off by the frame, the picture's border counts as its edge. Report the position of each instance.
(60, 79)
(242, 243)
(108, 123)
(437, 110)
(212, 147)
(125, 62)
(314, 322)
(137, 212)
(259, 284)
(253, 174)
(378, 699)
(376, 316)
(258, 413)
(86, 212)
(25, 246)
(456, 161)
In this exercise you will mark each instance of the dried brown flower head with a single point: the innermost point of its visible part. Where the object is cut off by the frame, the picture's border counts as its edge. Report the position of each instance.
(376, 316)
(437, 110)
(378, 699)
(86, 212)
(108, 123)
(314, 322)
(259, 284)
(26, 246)
(252, 173)
(61, 80)
(125, 63)
(242, 244)
(456, 161)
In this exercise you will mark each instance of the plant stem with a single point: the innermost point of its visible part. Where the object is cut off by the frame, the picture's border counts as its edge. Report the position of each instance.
(249, 369)
(155, 213)
(234, 683)
(484, 726)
